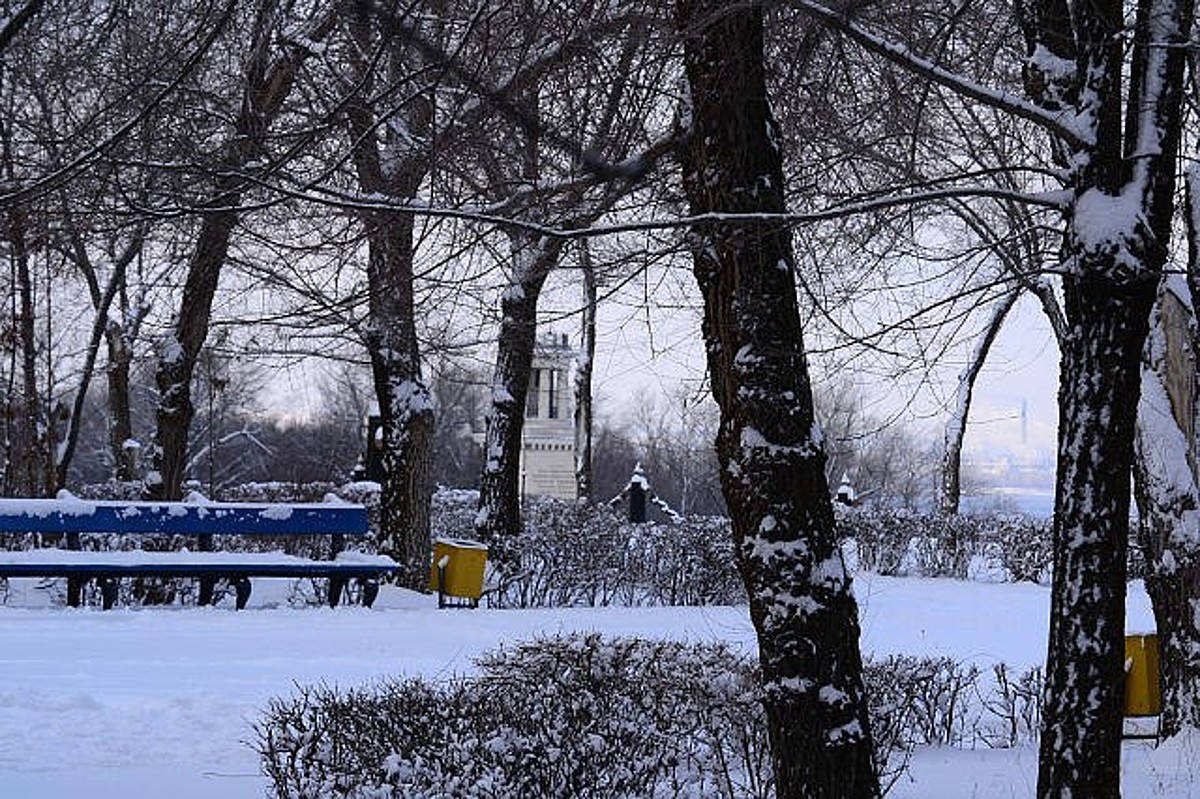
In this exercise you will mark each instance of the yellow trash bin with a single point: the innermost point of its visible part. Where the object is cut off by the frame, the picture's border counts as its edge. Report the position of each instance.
(1143, 694)
(457, 569)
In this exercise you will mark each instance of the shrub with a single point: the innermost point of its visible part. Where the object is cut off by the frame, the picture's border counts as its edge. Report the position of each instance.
(588, 555)
(580, 715)
(901, 542)
(564, 716)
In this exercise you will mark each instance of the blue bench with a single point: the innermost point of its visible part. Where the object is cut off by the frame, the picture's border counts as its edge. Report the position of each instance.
(69, 518)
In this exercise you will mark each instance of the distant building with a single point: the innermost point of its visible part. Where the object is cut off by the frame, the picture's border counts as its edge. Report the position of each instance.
(846, 494)
(548, 438)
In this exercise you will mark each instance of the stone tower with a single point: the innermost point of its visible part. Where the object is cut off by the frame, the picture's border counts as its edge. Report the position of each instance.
(548, 440)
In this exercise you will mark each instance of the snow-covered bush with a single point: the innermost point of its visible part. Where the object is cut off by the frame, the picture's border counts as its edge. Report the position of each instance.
(581, 715)
(1023, 546)
(923, 700)
(1013, 707)
(579, 554)
(565, 716)
(902, 542)
(919, 701)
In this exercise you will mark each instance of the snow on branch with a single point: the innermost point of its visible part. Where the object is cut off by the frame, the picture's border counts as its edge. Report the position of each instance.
(1066, 125)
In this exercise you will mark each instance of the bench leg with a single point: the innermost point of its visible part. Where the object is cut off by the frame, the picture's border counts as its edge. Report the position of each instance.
(241, 587)
(74, 591)
(208, 587)
(370, 590)
(108, 592)
(336, 586)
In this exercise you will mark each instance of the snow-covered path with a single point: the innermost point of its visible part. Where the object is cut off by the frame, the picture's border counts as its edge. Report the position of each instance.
(154, 702)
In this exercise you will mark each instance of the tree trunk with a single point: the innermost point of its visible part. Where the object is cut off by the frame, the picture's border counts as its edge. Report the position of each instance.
(1117, 237)
(33, 472)
(1169, 509)
(120, 409)
(583, 376)
(500, 489)
(1173, 553)
(405, 404)
(177, 360)
(770, 450)
(406, 408)
(103, 329)
(1098, 396)
(956, 425)
(1169, 492)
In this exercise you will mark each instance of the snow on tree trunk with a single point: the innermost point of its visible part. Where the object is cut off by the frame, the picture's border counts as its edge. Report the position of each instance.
(122, 446)
(395, 168)
(406, 408)
(956, 425)
(769, 446)
(1098, 396)
(1169, 505)
(1120, 168)
(583, 375)
(499, 516)
(1168, 483)
(177, 359)
(30, 467)
(267, 84)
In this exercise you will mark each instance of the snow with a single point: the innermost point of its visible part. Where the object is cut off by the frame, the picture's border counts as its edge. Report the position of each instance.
(173, 559)
(1105, 223)
(160, 701)
(277, 512)
(172, 352)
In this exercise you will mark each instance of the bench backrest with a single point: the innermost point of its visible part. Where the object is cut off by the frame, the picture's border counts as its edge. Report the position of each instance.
(181, 518)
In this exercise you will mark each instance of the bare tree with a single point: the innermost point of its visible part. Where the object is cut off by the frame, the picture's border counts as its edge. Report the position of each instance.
(459, 396)
(546, 187)
(270, 71)
(584, 482)
(772, 463)
(1116, 251)
(392, 147)
(1117, 146)
(1168, 494)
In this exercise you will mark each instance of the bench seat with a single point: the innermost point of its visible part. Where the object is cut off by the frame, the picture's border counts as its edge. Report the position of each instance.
(183, 563)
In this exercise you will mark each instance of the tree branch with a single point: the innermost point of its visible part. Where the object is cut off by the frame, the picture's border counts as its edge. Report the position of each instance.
(1063, 124)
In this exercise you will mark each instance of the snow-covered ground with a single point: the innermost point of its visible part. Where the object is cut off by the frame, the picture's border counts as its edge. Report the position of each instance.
(160, 702)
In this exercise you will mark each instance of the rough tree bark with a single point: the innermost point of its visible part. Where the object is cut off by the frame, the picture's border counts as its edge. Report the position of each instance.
(110, 332)
(30, 469)
(120, 337)
(1169, 508)
(499, 517)
(406, 408)
(1168, 482)
(769, 446)
(1118, 228)
(393, 166)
